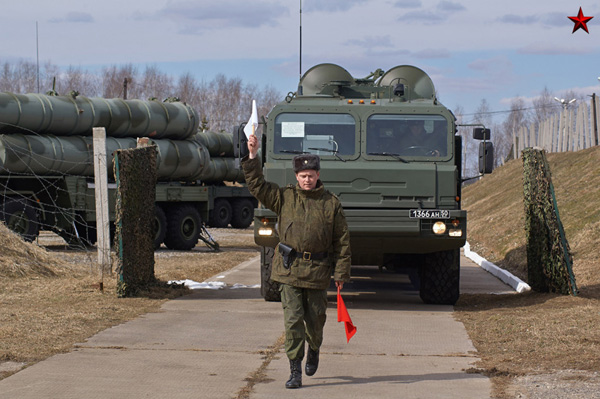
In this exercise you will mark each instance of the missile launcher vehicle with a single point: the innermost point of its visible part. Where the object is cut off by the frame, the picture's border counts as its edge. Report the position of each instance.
(390, 152)
(46, 167)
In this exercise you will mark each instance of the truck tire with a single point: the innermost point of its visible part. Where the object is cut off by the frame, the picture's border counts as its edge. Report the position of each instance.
(440, 277)
(221, 213)
(269, 289)
(242, 213)
(183, 227)
(160, 226)
(21, 217)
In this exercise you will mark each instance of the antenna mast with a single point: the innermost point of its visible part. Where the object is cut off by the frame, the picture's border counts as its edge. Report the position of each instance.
(300, 39)
(37, 50)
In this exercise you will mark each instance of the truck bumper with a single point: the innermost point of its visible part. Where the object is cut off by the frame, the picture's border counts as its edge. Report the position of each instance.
(395, 232)
(374, 233)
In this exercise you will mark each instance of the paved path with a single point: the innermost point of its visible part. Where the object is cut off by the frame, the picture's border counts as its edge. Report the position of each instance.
(208, 344)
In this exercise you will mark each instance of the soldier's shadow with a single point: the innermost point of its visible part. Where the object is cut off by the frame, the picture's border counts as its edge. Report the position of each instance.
(395, 379)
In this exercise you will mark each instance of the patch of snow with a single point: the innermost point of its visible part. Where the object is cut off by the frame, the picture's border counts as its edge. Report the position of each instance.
(206, 285)
(238, 286)
(210, 285)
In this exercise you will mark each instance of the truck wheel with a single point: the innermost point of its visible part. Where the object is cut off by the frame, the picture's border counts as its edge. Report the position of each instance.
(159, 227)
(221, 213)
(183, 227)
(242, 213)
(440, 277)
(22, 218)
(269, 289)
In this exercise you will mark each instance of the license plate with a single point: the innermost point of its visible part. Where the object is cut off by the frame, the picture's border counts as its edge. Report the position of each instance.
(429, 214)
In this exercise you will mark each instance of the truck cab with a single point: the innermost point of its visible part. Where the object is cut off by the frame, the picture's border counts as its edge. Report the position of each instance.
(389, 151)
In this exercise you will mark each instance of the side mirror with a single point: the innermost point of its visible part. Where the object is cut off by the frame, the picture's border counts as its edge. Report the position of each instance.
(486, 157)
(240, 144)
(480, 133)
(399, 90)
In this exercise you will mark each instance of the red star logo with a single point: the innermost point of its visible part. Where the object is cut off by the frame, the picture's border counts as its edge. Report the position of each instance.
(580, 21)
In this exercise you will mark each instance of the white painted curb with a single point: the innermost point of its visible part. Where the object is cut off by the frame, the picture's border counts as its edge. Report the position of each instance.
(508, 278)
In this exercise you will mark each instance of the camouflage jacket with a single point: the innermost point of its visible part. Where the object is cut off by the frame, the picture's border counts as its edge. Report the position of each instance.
(309, 221)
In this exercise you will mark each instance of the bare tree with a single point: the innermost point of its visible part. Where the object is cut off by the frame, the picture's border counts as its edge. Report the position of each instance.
(48, 77)
(26, 73)
(77, 80)
(222, 103)
(483, 114)
(113, 78)
(544, 106)
(154, 84)
(516, 118)
(187, 89)
(7, 80)
(19, 78)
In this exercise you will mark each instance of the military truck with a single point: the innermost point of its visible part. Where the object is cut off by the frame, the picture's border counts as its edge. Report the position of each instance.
(390, 152)
(46, 167)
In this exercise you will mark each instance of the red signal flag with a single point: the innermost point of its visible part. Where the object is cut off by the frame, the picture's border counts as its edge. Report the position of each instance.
(345, 317)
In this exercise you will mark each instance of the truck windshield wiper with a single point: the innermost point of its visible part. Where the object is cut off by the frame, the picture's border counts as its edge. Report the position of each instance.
(329, 150)
(292, 152)
(389, 154)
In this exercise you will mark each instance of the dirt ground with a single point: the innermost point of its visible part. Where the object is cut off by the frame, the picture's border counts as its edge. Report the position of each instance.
(47, 306)
(533, 345)
(537, 345)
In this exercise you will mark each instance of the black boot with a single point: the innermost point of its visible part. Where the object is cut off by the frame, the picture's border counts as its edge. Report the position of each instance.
(312, 361)
(295, 380)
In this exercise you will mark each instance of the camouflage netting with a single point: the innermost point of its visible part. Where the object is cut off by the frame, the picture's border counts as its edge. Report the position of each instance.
(549, 261)
(135, 171)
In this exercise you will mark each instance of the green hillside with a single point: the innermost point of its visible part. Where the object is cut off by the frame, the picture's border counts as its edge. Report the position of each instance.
(496, 214)
(536, 333)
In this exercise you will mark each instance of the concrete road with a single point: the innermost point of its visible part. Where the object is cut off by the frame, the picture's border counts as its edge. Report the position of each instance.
(226, 343)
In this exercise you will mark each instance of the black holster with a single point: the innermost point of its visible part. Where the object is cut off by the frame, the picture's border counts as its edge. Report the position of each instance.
(288, 253)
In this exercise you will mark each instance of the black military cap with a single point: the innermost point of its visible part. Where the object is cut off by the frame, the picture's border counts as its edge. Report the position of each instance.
(306, 162)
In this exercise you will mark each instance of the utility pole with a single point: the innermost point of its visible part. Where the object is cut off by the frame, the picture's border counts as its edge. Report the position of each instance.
(594, 117)
(300, 39)
(37, 51)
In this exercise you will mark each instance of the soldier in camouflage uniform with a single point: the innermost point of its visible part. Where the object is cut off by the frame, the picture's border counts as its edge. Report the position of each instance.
(314, 242)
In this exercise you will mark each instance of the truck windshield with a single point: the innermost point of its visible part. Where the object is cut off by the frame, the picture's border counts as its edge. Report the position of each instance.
(407, 135)
(321, 134)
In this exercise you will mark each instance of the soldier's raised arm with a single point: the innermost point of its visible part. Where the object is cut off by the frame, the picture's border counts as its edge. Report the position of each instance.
(267, 193)
(252, 146)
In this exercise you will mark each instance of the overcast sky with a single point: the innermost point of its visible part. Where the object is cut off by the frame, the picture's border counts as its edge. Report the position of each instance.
(471, 49)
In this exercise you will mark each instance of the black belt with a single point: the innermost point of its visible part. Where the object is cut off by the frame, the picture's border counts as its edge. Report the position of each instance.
(288, 252)
(311, 255)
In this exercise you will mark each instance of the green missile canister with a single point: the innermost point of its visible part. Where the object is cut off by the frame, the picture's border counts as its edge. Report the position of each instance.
(44, 155)
(77, 115)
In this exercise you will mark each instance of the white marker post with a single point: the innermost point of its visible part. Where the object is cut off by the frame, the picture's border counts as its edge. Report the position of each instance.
(101, 191)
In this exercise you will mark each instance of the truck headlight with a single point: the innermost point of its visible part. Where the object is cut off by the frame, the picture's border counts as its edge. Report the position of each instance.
(439, 228)
(265, 231)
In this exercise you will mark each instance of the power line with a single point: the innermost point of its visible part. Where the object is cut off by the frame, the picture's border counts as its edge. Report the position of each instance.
(552, 106)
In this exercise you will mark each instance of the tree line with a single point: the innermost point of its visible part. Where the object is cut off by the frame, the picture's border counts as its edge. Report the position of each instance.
(519, 114)
(221, 103)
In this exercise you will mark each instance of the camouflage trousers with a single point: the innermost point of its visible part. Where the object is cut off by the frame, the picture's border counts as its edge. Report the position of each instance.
(304, 318)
